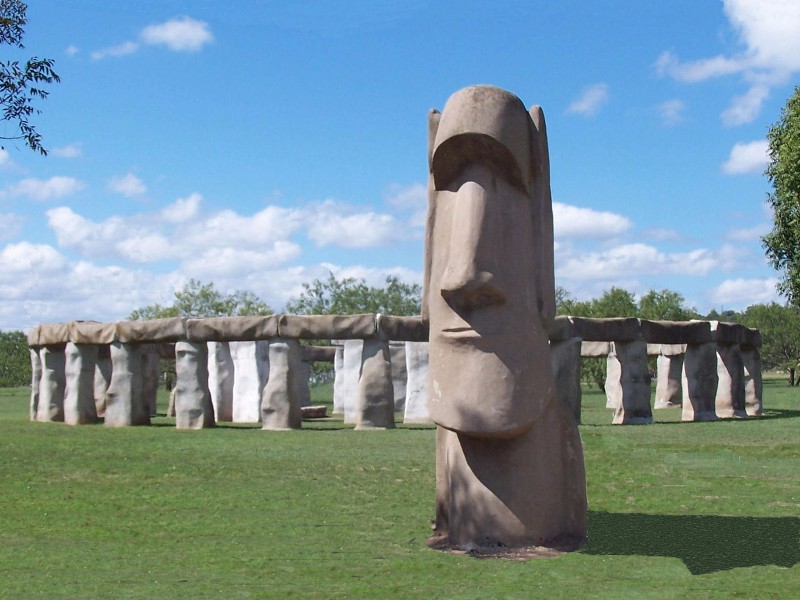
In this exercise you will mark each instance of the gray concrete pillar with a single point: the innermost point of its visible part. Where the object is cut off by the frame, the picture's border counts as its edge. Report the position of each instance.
(80, 363)
(280, 401)
(125, 403)
(416, 409)
(351, 365)
(631, 384)
(36, 377)
(699, 382)
(338, 381)
(220, 379)
(565, 358)
(193, 408)
(375, 397)
(52, 384)
(250, 373)
(102, 378)
(729, 401)
(668, 381)
(753, 391)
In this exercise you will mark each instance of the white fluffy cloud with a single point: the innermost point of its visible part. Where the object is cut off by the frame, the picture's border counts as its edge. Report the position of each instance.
(332, 223)
(750, 157)
(767, 31)
(576, 222)
(182, 34)
(412, 198)
(744, 292)
(68, 151)
(590, 101)
(45, 189)
(128, 185)
(10, 225)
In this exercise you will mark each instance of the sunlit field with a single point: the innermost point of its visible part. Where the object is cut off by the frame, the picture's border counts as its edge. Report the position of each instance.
(677, 510)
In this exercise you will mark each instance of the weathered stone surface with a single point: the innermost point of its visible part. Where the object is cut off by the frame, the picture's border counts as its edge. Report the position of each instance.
(250, 373)
(375, 397)
(102, 378)
(304, 373)
(607, 330)
(673, 349)
(80, 362)
(280, 400)
(595, 349)
(633, 406)
(338, 380)
(319, 411)
(565, 356)
(351, 367)
(36, 378)
(52, 384)
(402, 329)
(668, 381)
(751, 360)
(699, 382)
(675, 332)
(152, 331)
(751, 338)
(416, 408)
(726, 333)
(151, 373)
(125, 403)
(561, 329)
(397, 357)
(232, 329)
(729, 401)
(51, 334)
(33, 337)
(220, 379)
(193, 407)
(318, 353)
(509, 463)
(91, 332)
(327, 326)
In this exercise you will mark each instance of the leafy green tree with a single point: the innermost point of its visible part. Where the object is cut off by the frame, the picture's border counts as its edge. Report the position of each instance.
(20, 84)
(782, 244)
(198, 299)
(349, 296)
(780, 333)
(15, 362)
(665, 305)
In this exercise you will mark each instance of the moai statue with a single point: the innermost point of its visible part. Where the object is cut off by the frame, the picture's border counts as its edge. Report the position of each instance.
(509, 462)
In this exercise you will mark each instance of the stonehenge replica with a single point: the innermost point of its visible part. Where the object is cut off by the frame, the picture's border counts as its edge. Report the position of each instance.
(487, 362)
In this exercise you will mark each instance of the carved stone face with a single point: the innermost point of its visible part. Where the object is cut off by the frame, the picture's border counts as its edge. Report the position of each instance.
(489, 358)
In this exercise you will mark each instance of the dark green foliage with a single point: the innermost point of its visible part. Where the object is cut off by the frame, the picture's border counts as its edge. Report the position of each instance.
(20, 84)
(350, 296)
(780, 333)
(198, 299)
(782, 244)
(15, 362)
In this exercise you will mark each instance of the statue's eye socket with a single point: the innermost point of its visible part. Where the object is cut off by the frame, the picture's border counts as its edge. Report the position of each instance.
(457, 153)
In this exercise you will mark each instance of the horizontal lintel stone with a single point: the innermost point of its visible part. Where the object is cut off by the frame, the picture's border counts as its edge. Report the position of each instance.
(91, 332)
(151, 331)
(402, 329)
(676, 332)
(620, 329)
(318, 353)
(344, 327)
(232, 329)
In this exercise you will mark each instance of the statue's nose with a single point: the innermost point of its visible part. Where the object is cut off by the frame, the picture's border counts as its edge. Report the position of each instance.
(467, 282)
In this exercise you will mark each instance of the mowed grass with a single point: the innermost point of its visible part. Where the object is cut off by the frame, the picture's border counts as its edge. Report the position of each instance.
(692, 510)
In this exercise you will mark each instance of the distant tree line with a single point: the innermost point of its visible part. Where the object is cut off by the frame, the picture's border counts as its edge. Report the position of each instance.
(779, 324)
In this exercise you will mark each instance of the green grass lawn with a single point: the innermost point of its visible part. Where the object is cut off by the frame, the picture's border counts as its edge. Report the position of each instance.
(692, 510)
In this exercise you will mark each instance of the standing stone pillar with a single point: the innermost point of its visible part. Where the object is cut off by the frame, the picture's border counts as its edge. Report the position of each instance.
(53, 382)
(669, 369)
(193, 408)
(416, 409)
(304, 372)
(565, 358)
(699, 382)
(353, 350)
(80, 362)
(125, 404)
(36, 377)
(250, 374)
(753, 386)
(280, 400)
(633, 385)
(374, 406)
(102, 378)
(397, 357)
(151, 369)
(220, 379)
(338, 380)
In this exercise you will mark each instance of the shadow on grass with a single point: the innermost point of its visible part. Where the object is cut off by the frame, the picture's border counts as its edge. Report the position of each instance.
(704, 543)
(777, 413)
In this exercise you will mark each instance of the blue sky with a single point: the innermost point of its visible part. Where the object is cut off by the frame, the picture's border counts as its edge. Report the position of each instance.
(260, 144)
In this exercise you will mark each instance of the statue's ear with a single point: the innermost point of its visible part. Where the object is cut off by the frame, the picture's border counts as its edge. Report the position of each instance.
(433, 127)
(542, 213)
